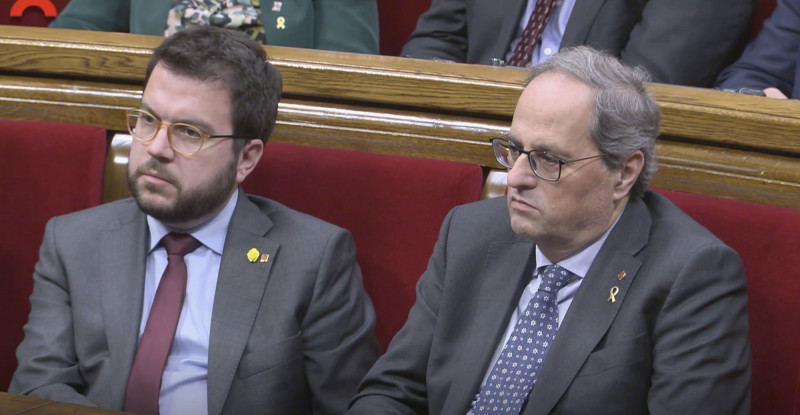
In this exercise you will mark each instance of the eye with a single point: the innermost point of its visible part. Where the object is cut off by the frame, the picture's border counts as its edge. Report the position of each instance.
(546, 159)
(187, 132)
(146, 118)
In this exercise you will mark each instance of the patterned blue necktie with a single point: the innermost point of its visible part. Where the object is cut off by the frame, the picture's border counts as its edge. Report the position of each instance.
(518, 365)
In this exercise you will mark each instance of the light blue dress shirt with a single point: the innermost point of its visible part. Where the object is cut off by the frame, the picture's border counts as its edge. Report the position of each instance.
(184, 383)
(577, 264)
(553, 32)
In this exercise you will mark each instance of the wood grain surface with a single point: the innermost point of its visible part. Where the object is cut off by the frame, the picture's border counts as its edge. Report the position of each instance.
(715, 143)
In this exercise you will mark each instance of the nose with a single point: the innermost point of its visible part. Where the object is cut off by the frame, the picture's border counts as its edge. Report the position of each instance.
(160, 147)
(521, 175)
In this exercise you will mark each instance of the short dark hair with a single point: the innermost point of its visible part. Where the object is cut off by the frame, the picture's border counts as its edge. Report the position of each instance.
(626, 117)
(210, 53)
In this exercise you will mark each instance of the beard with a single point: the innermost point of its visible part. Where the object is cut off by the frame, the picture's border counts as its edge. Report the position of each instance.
(189, 205)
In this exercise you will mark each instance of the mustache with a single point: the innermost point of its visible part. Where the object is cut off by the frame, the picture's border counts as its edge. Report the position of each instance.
(153, 166)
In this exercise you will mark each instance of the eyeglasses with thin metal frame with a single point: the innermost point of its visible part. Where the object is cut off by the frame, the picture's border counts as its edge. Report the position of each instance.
(545, 166)
(184, 139)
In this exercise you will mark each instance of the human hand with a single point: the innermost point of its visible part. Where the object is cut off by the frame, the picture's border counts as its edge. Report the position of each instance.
(775, 93)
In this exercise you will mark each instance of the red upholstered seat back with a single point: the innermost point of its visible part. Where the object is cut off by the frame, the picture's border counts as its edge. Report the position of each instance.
(768, 240)
(393, 206)
(45, 170)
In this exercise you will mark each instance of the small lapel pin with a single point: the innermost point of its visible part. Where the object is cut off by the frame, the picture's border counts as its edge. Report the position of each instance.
(264, 257)
(281, 23)
(252, 255)
(621, 275)
(276, 6)
(614, 291)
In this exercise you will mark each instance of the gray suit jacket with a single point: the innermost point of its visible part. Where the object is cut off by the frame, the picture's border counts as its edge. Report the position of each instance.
(684, 42)
(292, 335)
(675, 341)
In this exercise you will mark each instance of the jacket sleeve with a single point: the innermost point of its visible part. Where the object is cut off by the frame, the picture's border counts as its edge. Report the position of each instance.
(397, 383)
(701, 351)
(338, 331)
(688, 42)
(48, 365)
(441, 33)
(771, 59)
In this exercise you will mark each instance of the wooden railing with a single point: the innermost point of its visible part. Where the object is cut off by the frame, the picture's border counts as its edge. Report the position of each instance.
(29, 405)
(712, 142)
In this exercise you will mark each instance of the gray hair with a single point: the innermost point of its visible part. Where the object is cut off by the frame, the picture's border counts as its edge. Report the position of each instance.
(626, 117)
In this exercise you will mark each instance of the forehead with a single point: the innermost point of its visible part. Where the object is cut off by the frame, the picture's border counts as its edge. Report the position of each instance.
(180, 98)
(162, 78)
(554, 113)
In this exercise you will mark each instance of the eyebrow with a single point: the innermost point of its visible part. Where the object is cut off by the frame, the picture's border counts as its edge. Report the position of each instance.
(517, 143)
(204, 127)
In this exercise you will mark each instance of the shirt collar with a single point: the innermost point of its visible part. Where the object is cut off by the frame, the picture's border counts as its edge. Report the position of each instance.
(579, 263)
(211, 234)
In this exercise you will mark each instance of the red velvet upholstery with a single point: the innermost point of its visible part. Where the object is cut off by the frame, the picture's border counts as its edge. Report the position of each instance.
(45, 170)
(393, 206)
(768, 240)
(398, 19)
(765, 9)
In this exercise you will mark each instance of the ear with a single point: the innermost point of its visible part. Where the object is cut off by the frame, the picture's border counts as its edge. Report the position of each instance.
(628, 174)
(248, 159)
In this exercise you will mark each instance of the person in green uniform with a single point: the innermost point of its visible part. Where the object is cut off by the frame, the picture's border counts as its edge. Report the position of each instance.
(341, 25)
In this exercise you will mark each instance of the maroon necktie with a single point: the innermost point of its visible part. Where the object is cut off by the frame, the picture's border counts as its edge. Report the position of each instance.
(532, 33)
(144, 383)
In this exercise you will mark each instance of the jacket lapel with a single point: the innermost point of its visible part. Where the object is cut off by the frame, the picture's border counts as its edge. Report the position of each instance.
(512, 12)
(580, 22)
(592, 312)
(507, 271)
(240, 288)
(123, 253)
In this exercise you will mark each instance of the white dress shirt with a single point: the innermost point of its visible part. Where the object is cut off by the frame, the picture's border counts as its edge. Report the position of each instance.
(185, 379)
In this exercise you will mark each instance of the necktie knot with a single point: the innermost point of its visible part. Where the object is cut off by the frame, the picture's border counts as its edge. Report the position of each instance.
(179, 243)
(554, 278)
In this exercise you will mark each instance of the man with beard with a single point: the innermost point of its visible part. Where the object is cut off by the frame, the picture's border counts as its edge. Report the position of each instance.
(193, 297)
(580, 292)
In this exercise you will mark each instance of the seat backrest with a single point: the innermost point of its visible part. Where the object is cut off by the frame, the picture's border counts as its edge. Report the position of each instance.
(45, 170)
(767, 239)
(393, 206)
(398, 19)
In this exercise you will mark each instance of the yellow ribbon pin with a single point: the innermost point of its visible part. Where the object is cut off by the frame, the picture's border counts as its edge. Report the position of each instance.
(614, 291)
(281, 23)
(252, 255)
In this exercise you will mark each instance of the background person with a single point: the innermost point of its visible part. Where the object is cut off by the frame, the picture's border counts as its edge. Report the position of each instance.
(341, 25)
(770, 61)
(683, 42)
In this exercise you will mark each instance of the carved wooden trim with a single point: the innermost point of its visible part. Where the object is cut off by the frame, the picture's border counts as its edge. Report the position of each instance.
(714, 143)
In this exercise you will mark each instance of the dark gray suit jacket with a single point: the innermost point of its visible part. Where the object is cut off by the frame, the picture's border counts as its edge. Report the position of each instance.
(293, 335)
(675, 341)
(773, 58)
(683, 42)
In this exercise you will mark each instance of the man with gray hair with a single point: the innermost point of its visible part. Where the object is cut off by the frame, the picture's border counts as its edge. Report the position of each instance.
(580, 292)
